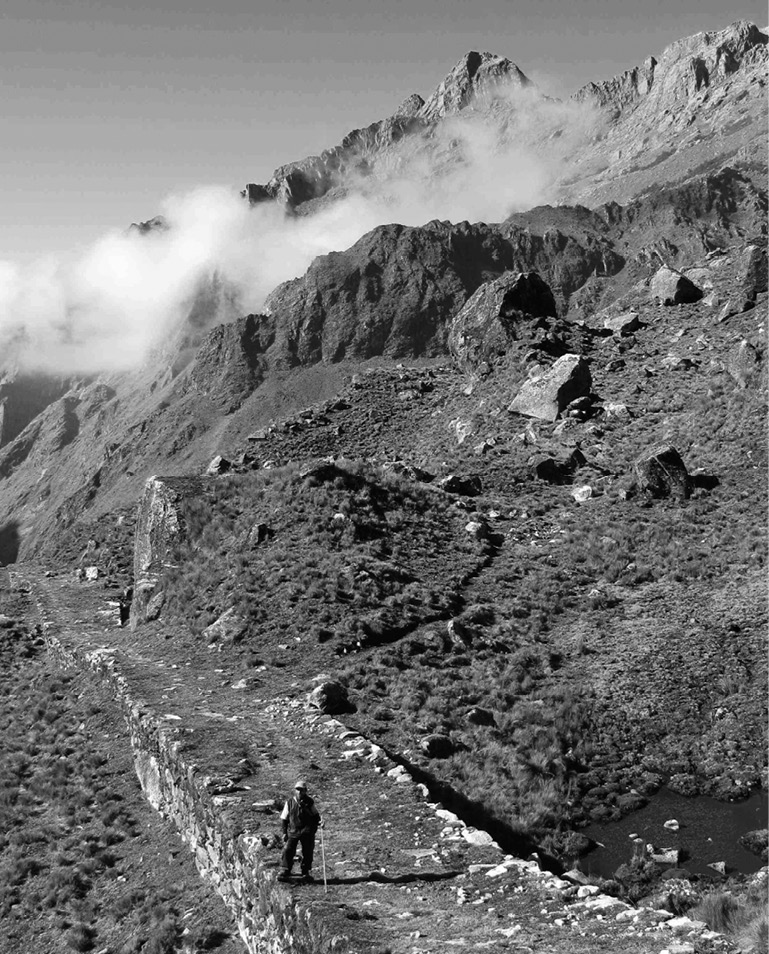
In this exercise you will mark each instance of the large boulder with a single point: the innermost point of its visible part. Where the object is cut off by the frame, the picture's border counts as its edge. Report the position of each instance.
(219, 465)
(330, 697)
(484, 327)
(546, 396)
(624, 324)
(557, 470)
(670, 287)
(660, 472)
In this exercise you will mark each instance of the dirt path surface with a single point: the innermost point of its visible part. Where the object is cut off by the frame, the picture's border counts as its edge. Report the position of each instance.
(403, 874)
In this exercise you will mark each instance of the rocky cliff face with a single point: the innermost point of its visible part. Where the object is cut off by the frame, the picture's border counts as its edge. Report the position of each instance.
(694, 109)
(393, 295)
(694, 105)
(477, 80)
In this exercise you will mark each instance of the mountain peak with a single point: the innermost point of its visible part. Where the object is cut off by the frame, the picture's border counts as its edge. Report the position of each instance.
(476, 76)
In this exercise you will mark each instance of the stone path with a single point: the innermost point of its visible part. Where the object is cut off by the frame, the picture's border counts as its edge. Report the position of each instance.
(403, 874)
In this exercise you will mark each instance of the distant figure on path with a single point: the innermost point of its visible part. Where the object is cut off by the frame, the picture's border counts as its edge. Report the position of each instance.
(300, 819)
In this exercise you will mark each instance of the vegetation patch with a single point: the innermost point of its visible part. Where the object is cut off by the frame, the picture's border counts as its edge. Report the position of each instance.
(86, 866)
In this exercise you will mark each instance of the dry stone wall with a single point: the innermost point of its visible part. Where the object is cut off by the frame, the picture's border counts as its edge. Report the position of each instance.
(481, 894)
(269, 920)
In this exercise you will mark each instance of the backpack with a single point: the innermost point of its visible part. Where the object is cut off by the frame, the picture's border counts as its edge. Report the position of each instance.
(302, 815)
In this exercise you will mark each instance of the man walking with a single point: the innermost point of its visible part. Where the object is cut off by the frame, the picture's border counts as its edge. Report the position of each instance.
(300, 819)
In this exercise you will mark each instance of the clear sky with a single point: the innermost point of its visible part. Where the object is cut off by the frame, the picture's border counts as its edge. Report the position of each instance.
(107, 106)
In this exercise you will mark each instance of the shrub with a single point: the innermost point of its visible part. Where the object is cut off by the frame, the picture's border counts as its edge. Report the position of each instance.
(743, 919)
(80, 937)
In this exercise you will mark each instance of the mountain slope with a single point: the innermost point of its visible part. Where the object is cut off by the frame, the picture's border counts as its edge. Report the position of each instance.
(696, 107)
(498, 480)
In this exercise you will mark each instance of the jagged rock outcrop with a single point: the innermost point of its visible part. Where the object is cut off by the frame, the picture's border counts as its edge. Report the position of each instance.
(679, 222)
(159, 525)
(158, 223)
(390, 294)
(477, 79)
(694, 105)
(313, 177)
(700, 104)
(620, 91)
(231, 362)
(547, 395)
(684, 68)
(395, 291)
(483, 328)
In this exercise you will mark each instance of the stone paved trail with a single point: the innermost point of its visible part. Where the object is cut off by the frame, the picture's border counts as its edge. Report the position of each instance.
(403, 874)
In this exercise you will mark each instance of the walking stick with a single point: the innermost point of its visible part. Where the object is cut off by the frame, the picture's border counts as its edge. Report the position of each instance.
(323, 856)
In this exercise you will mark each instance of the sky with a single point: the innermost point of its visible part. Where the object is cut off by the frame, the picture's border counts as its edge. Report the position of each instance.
(108, 107)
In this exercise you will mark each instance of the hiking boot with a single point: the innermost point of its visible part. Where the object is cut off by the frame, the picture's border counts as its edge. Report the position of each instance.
(307, 877)
(284, 876)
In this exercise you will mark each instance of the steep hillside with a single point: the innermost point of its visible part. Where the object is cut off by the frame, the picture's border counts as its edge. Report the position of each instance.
(497, 486)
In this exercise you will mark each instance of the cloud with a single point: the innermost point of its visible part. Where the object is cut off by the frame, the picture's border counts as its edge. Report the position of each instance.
(103, 309)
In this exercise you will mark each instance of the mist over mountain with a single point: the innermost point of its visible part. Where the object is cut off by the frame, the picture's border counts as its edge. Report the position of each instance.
(486, 143)
(679, 140)
(463, 414)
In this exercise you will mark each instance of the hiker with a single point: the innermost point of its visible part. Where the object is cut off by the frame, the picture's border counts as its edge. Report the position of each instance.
(300, 819)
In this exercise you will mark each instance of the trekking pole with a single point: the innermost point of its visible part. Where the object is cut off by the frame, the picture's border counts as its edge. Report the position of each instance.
(323, 856)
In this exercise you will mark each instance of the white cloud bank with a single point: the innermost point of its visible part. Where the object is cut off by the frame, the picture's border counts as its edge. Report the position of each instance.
(102, 310)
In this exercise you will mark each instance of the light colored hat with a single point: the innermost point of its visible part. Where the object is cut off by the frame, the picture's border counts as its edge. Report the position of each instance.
(301, 784)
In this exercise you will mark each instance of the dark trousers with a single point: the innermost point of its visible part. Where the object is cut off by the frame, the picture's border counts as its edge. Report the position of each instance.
(307, 841)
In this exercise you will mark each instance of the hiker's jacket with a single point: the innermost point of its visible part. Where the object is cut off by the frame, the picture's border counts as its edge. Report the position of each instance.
(300, 816)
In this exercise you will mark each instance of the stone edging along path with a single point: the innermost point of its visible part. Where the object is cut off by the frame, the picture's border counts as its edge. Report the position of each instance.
(412, 877)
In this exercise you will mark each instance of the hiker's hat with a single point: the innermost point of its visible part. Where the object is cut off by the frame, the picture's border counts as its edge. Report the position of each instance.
(301, 785)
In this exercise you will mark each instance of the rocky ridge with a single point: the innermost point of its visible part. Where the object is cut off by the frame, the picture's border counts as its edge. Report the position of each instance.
(579, 389)
(692, 107)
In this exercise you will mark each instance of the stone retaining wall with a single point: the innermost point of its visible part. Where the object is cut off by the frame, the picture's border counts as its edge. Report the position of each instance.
(239, 863)
(268, 918)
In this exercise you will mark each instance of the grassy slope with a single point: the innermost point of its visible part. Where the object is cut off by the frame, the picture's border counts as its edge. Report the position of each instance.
(580, 621)
(86, 865)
